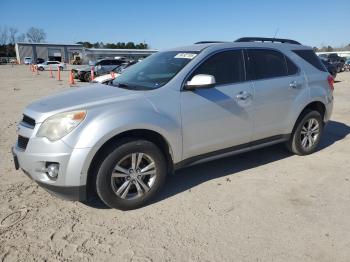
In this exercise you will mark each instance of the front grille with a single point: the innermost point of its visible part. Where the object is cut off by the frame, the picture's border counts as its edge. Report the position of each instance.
(22, 142)
(28, 121)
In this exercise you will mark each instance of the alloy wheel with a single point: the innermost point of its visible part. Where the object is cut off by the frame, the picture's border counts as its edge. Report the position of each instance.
(133, 176)
(309, 133)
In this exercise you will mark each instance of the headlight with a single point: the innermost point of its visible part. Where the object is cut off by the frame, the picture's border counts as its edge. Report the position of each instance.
(57, 126)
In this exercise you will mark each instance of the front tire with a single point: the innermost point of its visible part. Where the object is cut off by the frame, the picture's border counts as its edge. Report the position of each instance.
(307, 133)
(131, 174)
(87, 77)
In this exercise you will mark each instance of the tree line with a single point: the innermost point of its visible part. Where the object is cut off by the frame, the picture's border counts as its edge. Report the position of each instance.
(11, 35)
(119, 45)
(331, 49)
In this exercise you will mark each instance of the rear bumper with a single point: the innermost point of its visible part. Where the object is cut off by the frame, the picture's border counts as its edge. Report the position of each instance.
(329, 108)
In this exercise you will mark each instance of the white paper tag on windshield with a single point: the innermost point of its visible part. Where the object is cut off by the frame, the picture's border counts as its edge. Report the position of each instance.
(185, 55)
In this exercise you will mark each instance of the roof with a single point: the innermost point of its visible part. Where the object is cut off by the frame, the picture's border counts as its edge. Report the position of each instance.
(200, 47)
(121, 50)
(34, 43)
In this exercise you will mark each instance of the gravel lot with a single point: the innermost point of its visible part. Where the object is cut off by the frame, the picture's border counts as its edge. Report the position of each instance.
(265, 205)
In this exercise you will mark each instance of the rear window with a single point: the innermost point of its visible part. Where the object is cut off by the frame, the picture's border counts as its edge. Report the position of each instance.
(310, 57)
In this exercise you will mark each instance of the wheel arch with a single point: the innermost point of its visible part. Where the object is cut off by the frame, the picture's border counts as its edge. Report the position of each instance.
(145, 134)
(316, 105)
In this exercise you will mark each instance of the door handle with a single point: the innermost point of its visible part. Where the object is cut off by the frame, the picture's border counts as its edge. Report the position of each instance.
(243, 95)
(295, 85)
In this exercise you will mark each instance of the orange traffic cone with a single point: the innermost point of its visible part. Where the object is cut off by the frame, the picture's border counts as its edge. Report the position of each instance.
(71, 78)
(58, 73)
(92, 73)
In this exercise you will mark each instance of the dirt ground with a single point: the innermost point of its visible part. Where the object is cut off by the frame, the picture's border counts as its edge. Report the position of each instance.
(265, 205)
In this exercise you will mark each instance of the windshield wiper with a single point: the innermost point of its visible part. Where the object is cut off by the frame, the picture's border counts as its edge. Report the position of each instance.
(121, 85)
(130, 87)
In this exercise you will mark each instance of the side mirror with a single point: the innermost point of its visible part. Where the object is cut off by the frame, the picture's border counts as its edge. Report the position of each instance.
(200, 81)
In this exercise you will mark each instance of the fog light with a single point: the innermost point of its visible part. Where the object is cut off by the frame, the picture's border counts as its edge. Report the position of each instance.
(52, 170)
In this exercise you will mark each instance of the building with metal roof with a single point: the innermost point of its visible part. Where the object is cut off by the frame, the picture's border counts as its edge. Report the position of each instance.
(66, 52)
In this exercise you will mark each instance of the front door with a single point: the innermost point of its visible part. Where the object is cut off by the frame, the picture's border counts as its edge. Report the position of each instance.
(219, 117)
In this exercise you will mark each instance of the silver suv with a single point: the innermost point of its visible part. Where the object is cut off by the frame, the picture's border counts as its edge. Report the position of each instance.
(176, 108)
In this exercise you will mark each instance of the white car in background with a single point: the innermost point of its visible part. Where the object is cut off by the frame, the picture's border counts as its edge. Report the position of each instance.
(27, 60)
(107, 78)
(54, 65)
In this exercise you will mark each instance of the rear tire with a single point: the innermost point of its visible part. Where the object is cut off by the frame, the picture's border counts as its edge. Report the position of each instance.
(121, 182)
(306, 134)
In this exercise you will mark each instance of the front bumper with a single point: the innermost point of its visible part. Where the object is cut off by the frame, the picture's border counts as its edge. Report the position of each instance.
(70, 183)
(72, 193)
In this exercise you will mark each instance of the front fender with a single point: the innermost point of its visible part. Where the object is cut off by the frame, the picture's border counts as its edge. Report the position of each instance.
(103, 125)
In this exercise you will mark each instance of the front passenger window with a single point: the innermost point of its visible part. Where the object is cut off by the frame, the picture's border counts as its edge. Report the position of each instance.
(227, 67)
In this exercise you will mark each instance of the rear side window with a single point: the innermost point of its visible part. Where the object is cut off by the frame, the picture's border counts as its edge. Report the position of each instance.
(310, 57)
(266, 64)
(227, 67)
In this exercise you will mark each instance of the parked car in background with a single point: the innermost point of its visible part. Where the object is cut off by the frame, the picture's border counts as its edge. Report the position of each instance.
(101, 67)
(347, 64)
(177, 108)
(109, 77)
(3, 61)
(332, 69)
(27, 60)
(40, 61)
(54, 65)
(335, 60)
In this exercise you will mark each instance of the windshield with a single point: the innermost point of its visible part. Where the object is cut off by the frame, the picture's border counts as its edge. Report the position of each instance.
(154, 71)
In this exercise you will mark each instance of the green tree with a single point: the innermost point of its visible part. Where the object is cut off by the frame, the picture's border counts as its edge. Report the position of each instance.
(329, 49)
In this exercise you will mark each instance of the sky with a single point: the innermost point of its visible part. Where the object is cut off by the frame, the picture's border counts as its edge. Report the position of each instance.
(166, 24)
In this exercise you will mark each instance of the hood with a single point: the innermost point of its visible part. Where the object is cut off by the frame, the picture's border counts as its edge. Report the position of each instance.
(78, 98)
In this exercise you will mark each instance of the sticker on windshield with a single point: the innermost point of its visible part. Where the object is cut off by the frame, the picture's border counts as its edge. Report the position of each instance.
(185, 55)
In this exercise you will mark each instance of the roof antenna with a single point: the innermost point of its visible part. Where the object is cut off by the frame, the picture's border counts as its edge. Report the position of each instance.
(276, 32)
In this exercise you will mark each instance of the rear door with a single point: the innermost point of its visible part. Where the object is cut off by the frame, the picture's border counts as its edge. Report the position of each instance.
(277, 82)
(220, 117)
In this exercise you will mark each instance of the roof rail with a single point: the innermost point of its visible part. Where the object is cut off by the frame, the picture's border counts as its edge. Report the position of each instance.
(209, 42)
(267, 39)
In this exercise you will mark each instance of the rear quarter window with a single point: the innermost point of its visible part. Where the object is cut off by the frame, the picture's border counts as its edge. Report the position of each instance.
(292, 68)
(310, 57)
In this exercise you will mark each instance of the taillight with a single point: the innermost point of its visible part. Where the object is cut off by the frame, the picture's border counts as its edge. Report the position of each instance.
(330, 80)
